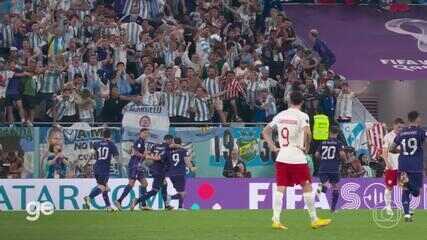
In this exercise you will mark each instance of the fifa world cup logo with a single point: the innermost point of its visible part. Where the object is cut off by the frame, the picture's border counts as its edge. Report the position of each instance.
(398, 26)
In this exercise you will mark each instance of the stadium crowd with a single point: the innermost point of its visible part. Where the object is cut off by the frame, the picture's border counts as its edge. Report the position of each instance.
(206, 61)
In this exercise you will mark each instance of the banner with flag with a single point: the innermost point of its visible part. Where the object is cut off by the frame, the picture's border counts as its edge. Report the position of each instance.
(355, 136)
(137, 116)
(76, 143)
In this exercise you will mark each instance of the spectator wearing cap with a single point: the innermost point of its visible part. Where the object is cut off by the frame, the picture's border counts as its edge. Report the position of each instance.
(327, 57)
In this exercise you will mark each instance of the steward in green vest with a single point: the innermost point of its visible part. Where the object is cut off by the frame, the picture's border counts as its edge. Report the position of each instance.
(321, 127)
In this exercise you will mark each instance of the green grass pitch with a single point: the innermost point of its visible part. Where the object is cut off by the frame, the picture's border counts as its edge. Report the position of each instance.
(202, 225)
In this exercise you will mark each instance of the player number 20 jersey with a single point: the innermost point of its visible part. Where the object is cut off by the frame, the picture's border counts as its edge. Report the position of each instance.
(290, 127)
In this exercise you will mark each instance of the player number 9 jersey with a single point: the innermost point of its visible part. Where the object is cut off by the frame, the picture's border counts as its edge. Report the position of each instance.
(290, 126)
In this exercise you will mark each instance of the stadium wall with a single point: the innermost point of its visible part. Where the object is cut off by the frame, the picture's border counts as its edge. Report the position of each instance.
(202, 193)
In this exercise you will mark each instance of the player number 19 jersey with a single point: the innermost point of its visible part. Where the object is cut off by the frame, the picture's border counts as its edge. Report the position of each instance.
(290, 126)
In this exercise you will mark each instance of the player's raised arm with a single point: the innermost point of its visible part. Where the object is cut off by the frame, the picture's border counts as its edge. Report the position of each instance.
(267, 135)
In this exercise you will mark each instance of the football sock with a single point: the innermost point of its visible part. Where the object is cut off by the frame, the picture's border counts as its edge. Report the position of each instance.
(309, 201)
(142, 191)
(405, 201)
(335, 196)
(165, 193)
(95, 192)
(387, 198)
(277, 206)
(106, 199)
(176, 196)
(180, 199)
(125, 193)
(324, 189)
(149, 194)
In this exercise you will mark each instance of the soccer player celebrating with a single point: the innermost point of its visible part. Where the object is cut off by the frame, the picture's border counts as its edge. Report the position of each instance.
(391, 163)
(409, 143)
(136, 169)
(160, 157)
(179, 161)
(330, 152)
(104, 150)
(291, 164)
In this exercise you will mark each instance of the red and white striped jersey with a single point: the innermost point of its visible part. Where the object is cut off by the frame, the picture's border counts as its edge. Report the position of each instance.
(375, 139)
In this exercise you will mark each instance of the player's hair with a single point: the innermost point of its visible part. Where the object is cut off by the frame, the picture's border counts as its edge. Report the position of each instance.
(177, 140)
(143, 130)
(335, 130)
(412, 116)
(297, 98)
(398, 121)
(168, 137)
(106, 133)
